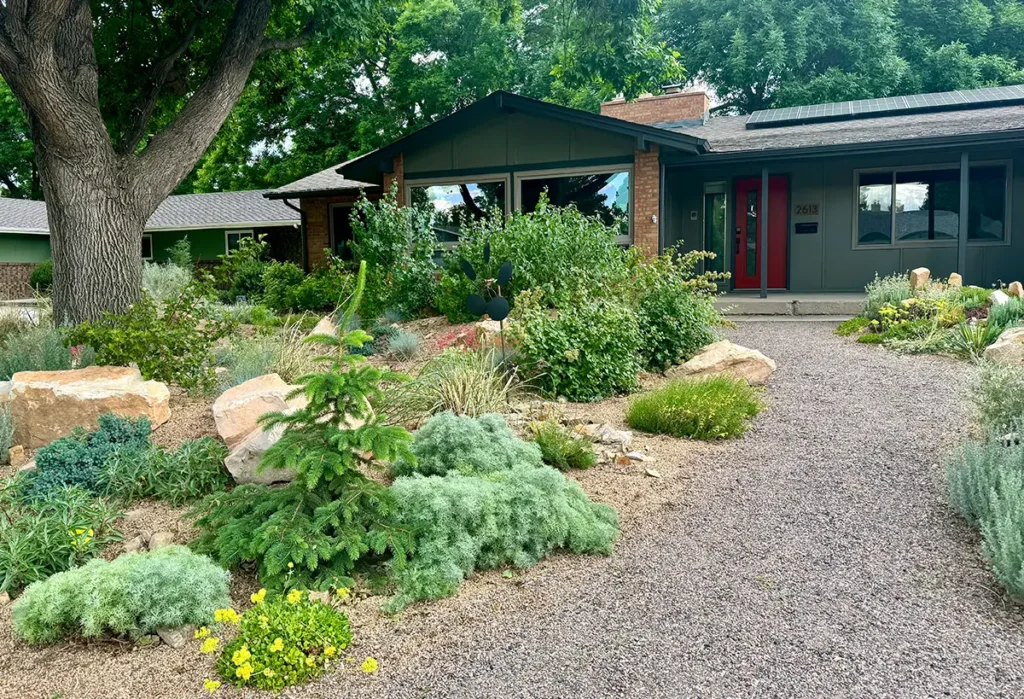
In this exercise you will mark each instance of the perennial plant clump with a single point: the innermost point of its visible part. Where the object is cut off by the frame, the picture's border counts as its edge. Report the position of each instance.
(719, 407)
(193, 470)
(562, 449)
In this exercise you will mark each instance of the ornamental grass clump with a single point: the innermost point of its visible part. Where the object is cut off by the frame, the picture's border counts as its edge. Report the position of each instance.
(513, 517)
(130, 596)
(283, 640)
(562, 449)
(719, 407)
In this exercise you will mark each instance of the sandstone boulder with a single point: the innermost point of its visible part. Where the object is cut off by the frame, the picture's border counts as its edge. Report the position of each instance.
(1008, 349)
(326, 326)
(998, 298)
(5, 391)
(955, 280)
(244, 460)
(16, 456)
(724, 357)
(238, 409)
(47, 405)
(1015, 289)
(488, 334)
(919, 277)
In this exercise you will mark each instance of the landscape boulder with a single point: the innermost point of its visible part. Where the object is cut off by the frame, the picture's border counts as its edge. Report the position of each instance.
(5, 391)
(919, 278)
(1015, 289)
(955, 280)
(237, 411)
(244, 460)
(1008, 348)
(724, 357)
(48, 405)
(326, 326)
(998, 297)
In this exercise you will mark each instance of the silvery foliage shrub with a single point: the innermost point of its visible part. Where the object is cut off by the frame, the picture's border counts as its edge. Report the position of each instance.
(130, 596)
(164, 281)
(449, 443)
(404, 345)
(882, 290)
(998, 396)
(6, 431)
(510, 517)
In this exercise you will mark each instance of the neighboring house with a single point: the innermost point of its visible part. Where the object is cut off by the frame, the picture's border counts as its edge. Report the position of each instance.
(853, 189)
(213, 224)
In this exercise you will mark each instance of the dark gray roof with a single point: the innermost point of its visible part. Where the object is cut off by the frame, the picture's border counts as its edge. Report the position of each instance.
(728, 134)
(324, 181)
(180, 212)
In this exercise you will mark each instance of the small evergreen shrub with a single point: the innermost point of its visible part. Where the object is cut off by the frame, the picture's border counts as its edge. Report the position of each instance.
(280, 279)
(42, 537)
(998, 396)
(240, 272)
(130, 596)
(456, 443)
(284, 352)
(560, 448)
(180, 255)
(851, 326)
(164, 282)
(512, 517)
(41, 278)
(283, 641)
(975, 471)
(719, 407)
(192, 471)
(404, 345)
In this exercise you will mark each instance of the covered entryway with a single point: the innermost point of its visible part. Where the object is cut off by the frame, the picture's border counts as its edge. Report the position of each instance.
(749, 241)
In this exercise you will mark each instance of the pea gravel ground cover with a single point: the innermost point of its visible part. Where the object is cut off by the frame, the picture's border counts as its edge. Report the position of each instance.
(814, 557)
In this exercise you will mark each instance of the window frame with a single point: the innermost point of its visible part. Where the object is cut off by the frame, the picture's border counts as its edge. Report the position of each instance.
(411, 183)
(716, 187)
(953, 165)
(150, 258)
(240, 232)
(330, 222)
(590, 170)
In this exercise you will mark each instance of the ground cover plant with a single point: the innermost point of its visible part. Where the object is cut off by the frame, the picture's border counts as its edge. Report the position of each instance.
(6, 432)
(998, 396)
(130, 596)
(719, 407)
(560, 448)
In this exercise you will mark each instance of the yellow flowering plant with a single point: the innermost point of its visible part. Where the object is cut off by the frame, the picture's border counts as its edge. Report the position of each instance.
(369, 665)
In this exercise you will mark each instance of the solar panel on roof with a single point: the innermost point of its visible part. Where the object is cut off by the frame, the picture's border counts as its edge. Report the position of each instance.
(884, 106)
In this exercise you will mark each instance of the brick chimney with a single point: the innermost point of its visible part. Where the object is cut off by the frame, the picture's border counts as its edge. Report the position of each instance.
(672, 105)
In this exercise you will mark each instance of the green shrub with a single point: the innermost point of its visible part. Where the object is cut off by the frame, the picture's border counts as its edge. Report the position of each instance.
(513, 517)
(180, 255)
(78, 460)
(1006, 315)
(164, 282)
(240, 272)
(6, 431)
(871, 338)
(41, 278)
(132, 595)
(283, 352)
(1003, 532)
(975, 470)
(40, 348)
(173, 346)
(280, 279)
(562, 449)
(312, 532)
(194, 470)
(468, 445)
(971, 339)
(324, 289)
(719, 407)
(585, 352)
(465, 382)
(284, 641)
(971, 297)
(891, 289)
(404, 345)
(42, 537)
(998, 396)
(851, 326)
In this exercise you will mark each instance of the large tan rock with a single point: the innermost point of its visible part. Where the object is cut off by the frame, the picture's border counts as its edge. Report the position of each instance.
(326, 326)
(998, 298)
(238, 409)
(955, 280)
(1015, 289)
(724, 357)
(47, 405)
(1008, 348)
(919, 277)
(244, 460)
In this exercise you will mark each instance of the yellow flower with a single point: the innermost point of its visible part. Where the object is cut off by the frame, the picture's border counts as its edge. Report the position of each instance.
(310, 661)
(202, 632)
(330, 650)
(91, 533)
(268, 672)
(241, 655)
(277, 646)
(294, 596)
(264, 618)
(229, 615)
(369, 665)
(244, 671)
(211, 686)
(343, 592)
(290, 564)
(257, 597)
(209, 645)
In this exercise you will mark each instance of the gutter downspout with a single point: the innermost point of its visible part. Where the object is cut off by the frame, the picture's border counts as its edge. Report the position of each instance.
(302, 233)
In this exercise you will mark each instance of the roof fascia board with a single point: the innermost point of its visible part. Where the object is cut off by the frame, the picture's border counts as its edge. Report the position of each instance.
(318, 193)
(222, 226)
(25, 231)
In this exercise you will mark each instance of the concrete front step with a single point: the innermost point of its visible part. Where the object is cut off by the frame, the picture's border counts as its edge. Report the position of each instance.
(778, 304)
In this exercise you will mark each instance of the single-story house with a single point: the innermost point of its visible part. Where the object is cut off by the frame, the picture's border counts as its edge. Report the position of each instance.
(213, 224)
(808, 199)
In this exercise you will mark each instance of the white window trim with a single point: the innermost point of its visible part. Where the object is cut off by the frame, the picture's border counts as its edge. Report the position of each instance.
(240, 233)
(465, 179)
(1008, 164)
(330, 222)
(568, 172)
(144, 236)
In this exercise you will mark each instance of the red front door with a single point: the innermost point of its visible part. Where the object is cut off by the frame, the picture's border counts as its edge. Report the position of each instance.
(747, 243)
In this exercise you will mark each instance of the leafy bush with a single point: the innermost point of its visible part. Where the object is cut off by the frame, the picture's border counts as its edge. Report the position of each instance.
(180, 255)
(404, 345)
(42, 537)
(851, 326)
(164, 282)
(324, 289)
(465, 382)
(719, 407)
(585, 353)
(284, 641)
(78, 460)
(41, 278)
(285, 353)
(1007, 314)
(195, 469)
(1003, 532)
(40, 348)
(312, 532)
(280, 279)
(998, 396)
(173, 346)
(6, 431)
(562, 449)
(513, 517)
(130, 596)
(468, 445)
(240, 272)
(886, 290)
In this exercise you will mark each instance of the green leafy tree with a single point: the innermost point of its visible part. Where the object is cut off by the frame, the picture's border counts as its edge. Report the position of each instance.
(18, 175)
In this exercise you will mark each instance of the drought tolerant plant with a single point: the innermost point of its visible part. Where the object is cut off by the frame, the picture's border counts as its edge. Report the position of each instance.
(852, 325)
(240, 272)
(130, 596)
(1006, 315)
(404, 345)
(41, 278)
(42, 537)
(325, 288)
(284, 640)
(6, 431)
(164, 282)
(998, 396)
(886, 290)
(975, 470)
(969, 339)
(1003, 532)
(284, 352)
(719, 407)
(40, 348)
(280, 279)
(469, 445)
(511, 517)
(312, 532)
(562, 449)
(465, 382)
(180, 255)
(193, 470)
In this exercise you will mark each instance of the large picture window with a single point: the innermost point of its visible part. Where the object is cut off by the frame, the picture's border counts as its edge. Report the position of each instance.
(455, 203)
(604, 193)
(341, 231)
(922, 206)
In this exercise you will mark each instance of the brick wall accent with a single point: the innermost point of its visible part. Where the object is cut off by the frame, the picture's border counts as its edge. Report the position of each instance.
(658, 108)
(14, 278)
(318, 225)
(646, 199)
(397, 177)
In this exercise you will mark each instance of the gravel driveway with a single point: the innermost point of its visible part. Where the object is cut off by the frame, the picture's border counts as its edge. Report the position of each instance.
(815, 557)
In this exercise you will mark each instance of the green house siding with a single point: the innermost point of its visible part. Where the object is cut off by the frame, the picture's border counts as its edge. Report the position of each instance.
(19, 247)
(206, 244)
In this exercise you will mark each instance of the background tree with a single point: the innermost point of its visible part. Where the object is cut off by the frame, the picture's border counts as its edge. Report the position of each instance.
(18, 176)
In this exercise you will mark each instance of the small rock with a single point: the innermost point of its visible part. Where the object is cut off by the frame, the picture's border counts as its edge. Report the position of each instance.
(176, 636)
(150, 639)
(955, 280)
(5, 599)
(998, 298)
(326, 326)
(29, 465)
(1015, 289)
(158, 541)
(320, 596)
(136, 543)
(637, 456)
(652, 473)
(919, 277)
(623, 460)
(1010, 439)
(16, 456)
